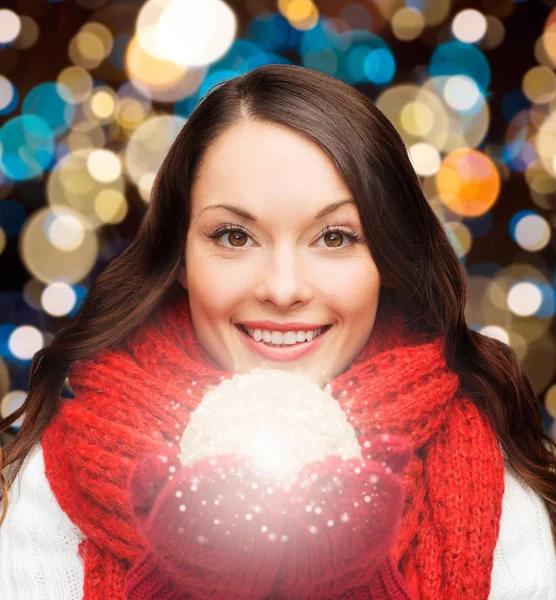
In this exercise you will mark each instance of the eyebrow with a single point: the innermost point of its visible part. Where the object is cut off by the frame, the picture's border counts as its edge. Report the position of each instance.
(327, 210)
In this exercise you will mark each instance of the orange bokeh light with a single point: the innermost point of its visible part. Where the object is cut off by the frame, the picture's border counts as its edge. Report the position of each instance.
(468, 182)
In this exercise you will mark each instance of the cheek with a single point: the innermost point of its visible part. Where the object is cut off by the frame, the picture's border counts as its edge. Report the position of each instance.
(351, 288)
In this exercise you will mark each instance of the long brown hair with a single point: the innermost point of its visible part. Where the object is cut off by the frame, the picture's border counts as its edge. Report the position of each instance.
(407, 240)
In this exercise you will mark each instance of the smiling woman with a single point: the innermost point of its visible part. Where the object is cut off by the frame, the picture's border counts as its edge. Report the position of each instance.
(275, 263)
(287, 229)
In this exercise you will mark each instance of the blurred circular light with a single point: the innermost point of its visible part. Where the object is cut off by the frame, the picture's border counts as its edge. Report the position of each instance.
(26, 147)
(85, 134)
(76, 85)
(111, 206)
(458, 58)
(149, 145)
(469, 26)
(65, 231)
(301, 14)
(186, 32)
(550, 402)
(10, 26)
(468, 182)
(58, 299)
(47, 101)
(545, 143)
(163, 80)
(57, 244)
(496, 332)
(145, 185)
(495, 33)
(531, 231)
(539, 84)
(28, 35)
(90, 46)
(417, 118)
(25, 341)
(8, 96)
(379, 66)
(3, 240)
(80, 176)
(102, 104)
(104, 166)
(464, 128)
(460, 237)
(417, 113)
(408, 24)
(524, 299)
(131, 112)
(10, 403)
(425, 158)
(461, 92)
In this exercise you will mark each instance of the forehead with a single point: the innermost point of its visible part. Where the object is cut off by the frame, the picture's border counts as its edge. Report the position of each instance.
(267, 169)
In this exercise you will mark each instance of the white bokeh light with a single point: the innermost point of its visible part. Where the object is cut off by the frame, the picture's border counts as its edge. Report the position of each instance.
(104, 165)
(524, 299)
(496, 332)
(10, 26)
(532, 232)
(461, 92)
(188, 33)
(58, 299)
(469, 26)
(425, 158)
(24, 341)
(10, 403)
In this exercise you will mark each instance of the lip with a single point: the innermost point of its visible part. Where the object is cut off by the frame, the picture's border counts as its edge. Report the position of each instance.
(282, 353)
(271, 326)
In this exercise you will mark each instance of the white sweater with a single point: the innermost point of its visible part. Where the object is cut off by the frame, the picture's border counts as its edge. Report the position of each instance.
(39, 557)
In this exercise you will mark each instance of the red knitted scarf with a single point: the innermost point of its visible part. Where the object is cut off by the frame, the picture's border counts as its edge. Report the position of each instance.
(130, 398)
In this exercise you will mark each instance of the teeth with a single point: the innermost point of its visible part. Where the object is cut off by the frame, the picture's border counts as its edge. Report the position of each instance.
(279, 338)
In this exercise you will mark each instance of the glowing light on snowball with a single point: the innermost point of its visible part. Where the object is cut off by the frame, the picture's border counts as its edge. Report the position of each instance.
(496, 332)
(282, 420)
(10, 403)
(524, 299)
(186, 32)
(25, 341)
(10, 26)
(58, 299)
(461, 92)
(469, 26)
(104, 166)
(425, 158)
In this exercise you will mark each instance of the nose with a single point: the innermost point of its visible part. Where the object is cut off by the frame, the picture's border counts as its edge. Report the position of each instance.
(283, 280)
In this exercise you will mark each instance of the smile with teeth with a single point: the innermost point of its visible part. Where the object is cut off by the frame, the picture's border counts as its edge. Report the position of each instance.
(282, 338)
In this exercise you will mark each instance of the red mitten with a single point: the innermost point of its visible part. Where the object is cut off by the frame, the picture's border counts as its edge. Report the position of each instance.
(213, 528)
(345, 517)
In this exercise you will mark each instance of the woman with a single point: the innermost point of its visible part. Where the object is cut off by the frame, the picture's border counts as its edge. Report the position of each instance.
(288, 197)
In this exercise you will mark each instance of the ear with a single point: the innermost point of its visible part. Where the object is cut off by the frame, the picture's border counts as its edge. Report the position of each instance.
(182, 277)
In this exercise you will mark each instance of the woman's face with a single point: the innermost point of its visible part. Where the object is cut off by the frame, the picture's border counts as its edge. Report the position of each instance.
(288, 260)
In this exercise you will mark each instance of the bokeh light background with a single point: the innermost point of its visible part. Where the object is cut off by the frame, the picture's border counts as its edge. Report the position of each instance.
(93, 92)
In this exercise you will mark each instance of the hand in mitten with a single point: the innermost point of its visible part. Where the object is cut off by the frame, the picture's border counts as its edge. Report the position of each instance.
(213, 528)
(345, 515)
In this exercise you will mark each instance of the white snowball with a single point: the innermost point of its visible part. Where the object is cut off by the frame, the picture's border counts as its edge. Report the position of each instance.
(281, 419)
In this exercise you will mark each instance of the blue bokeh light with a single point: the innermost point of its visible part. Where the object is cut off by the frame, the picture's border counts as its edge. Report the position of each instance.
(47, 102)
(26, 147)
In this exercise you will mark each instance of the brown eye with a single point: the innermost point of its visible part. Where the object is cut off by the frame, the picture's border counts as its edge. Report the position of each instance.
(237, 238)
(335, 238)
